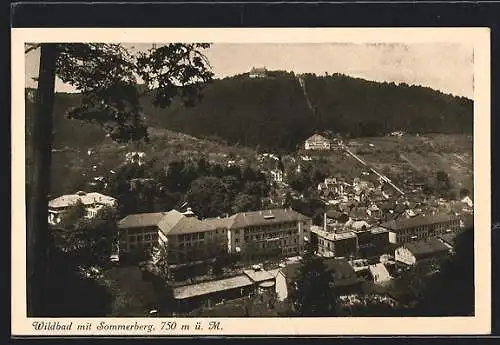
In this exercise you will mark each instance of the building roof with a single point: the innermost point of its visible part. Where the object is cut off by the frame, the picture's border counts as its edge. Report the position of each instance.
(218, 223)
(378, 230)
(426, 248)
(213, 286)
(316, 137)
(175, 223)
(400, 224)
(333, 236)
(86, 199)
(256, 218)
(258, 276)
(141, 220)
(258, 70)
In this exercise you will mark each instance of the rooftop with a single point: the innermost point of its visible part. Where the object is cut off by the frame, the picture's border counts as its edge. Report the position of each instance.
(317, 137)
(174, 223)
(141, 220)
(274, 216)
(425, 248)
(85, 198)
(209, 287)
(259, 276)
(400, 224)
(333, 236)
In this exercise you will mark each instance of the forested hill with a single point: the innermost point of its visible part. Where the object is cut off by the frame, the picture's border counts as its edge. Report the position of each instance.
(273, 112)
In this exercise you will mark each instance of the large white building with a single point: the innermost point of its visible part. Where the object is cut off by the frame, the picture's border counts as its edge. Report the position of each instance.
(317, 142)
(93, 202)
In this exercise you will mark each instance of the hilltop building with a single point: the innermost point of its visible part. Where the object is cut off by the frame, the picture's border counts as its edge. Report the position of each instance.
(317, 142)
(93, 202)
(258, 72)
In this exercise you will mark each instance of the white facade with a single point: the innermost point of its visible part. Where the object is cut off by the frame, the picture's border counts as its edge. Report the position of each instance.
(405, 256)
(317, 142)
(281, 286)
(93, 203)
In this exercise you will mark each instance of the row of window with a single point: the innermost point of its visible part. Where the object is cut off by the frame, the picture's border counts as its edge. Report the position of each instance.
(142, 238)
(282, 226)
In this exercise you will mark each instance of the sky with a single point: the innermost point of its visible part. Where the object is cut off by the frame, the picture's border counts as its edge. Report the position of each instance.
(447, 67)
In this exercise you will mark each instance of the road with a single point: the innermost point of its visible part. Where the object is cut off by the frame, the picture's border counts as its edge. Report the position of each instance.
(383, 177)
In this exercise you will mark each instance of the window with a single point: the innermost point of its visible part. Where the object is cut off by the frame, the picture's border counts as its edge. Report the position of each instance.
(201, 235)
(147, 237)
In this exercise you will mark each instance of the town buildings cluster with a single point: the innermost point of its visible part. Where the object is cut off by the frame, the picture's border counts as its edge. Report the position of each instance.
(368, 231)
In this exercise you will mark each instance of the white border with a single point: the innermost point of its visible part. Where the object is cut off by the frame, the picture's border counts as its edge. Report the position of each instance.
(478, 37)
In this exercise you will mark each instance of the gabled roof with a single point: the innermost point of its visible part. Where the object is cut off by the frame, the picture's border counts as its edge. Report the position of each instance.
(400, 224)
(175, 223)
(141, 220)
(256, 218)
(317, 137)
(426, 248)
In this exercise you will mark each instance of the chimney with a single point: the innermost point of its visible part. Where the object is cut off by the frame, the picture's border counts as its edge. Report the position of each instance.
(324, 221)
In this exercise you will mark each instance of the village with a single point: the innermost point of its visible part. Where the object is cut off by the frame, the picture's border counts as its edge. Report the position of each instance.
(368, 229)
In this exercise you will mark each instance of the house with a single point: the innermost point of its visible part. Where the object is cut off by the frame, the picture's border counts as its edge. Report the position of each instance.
(138, 232)
(373, 241)
(317, 142)
(413, 253)
(277, 175)
(92, 202)
(345, 280)
(258, 72)
(468, 201)
(269, 233)
(404, 230)
(187, 239)
(331, 186)
(334, 244)
(135, 157)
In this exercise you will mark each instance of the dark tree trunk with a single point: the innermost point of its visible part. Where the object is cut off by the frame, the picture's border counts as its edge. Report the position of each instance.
(37, 224)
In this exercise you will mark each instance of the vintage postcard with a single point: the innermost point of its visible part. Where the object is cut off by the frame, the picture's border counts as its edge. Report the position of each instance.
(251, 181)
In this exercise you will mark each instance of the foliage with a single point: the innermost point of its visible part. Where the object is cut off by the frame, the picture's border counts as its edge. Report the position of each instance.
(74, 215)
(313, 295)
(451, 291)
(89, 241)
(273, 113)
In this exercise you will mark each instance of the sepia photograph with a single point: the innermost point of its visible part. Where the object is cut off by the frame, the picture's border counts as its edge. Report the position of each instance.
(220, 175)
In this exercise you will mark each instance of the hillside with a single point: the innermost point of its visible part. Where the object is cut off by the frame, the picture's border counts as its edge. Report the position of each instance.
(274, 114)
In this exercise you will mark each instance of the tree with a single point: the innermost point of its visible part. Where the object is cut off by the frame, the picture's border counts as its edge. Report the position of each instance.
(105, 74)
(74, 214)
(245, 203)
(451, 291)
(208, 197)
(313, 295)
